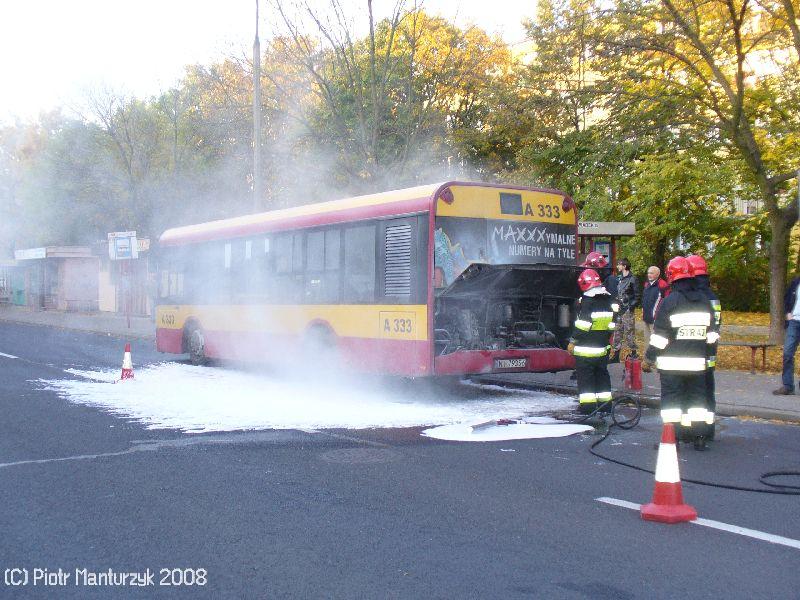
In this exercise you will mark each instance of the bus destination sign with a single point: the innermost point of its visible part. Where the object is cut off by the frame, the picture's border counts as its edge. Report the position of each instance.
(520, 242)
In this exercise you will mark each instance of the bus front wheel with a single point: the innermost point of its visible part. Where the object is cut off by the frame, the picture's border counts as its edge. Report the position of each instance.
(196, 345)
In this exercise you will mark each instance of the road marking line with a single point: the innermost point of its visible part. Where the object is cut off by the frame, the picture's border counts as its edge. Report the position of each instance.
(753, 533)
(622, 503)
(8, 355)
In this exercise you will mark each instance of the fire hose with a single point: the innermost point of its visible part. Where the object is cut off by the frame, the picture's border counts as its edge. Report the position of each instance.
(631, 422)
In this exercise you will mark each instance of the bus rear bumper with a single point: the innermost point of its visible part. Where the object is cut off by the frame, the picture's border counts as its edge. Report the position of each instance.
(473, 362)
(169, 340)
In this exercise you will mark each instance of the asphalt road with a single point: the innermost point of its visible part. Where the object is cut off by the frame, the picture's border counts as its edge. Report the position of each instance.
(361, 514)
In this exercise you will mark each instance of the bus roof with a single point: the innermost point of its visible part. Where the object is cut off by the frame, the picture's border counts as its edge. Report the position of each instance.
(397, 202)
(405, 201)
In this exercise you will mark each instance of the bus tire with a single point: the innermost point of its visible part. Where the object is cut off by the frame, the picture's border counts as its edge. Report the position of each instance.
(319, 345)
(195, 344)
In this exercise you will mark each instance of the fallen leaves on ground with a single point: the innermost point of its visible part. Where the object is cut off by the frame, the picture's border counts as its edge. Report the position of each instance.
(730, 317)
(744, 318)
(738, 358)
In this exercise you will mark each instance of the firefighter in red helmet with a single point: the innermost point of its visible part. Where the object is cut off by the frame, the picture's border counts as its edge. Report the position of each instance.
(700, 270)
(590, 343)
(595, 260)
(679, 348)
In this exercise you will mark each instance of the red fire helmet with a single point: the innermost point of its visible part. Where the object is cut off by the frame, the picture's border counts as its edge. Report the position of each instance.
(595, 260)
(588, 279)
(698, 264)
(679, 268)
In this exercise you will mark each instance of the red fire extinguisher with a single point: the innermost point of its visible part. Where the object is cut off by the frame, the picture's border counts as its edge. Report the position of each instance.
(633, 374)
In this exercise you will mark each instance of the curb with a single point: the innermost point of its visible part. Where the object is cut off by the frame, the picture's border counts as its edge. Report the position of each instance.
(723, 410)
(646, 399)
(116, 334)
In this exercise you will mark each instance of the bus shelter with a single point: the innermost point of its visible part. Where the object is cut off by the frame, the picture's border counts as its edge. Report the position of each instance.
(602, 237)
(12, 288)
(56, 278)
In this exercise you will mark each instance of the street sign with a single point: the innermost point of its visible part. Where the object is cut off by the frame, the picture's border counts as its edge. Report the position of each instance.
(606, 228)
(122, 245)
(30, 253)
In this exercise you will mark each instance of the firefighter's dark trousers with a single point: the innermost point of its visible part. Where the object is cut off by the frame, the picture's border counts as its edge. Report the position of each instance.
(683, 401)
(711, 400)
(594, 382)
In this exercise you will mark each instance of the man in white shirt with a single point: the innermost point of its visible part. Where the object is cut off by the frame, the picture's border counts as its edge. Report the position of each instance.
(791, 304)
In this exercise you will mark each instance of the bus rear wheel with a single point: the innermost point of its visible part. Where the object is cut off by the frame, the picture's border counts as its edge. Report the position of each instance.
(319, 346)
(196, 345)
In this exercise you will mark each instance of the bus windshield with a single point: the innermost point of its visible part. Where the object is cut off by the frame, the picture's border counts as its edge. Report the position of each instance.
(489, 226)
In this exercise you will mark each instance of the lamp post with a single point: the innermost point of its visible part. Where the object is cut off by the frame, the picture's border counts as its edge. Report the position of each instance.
(256, 119)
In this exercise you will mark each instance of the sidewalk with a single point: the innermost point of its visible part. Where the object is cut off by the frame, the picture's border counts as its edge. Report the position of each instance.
(738, 392)
(100, 322)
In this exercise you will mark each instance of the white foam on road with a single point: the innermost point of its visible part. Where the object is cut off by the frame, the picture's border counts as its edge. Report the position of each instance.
(201, 399)
(531, 429)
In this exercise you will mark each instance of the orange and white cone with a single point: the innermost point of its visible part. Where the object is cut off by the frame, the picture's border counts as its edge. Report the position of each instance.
(127, 363)
(667, 505)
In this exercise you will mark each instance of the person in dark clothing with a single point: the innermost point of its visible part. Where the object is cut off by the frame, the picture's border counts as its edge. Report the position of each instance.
(628, 299)
(700, 270)
(678, 347)
(791, 306)
(655, 290)
(610, 282)
(590, 343)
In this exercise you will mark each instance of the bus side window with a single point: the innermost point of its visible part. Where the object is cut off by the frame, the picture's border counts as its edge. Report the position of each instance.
(260, 270)
(359, 264)
(333, 253)
(171, 284)
(164, 288)
(237, 280)
(322, 267)
(283, 254)
(288, 258)
(206, 273)
(315, 267)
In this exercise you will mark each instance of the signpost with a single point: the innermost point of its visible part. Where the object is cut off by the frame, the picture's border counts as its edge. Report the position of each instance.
(123, 245)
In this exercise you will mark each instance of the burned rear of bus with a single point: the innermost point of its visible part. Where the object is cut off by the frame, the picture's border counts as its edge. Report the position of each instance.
(504, 279)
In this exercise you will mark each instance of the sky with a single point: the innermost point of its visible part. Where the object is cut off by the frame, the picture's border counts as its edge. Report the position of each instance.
(55, 52)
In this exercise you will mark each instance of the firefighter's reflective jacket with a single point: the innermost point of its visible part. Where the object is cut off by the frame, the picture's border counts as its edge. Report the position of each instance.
(594, 324)
(683, 328)
(716, 307)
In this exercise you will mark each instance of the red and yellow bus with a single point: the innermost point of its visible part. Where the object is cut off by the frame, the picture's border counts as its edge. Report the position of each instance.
(442, 279)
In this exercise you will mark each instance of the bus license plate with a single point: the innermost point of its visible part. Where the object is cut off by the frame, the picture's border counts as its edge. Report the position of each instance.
(510, 363)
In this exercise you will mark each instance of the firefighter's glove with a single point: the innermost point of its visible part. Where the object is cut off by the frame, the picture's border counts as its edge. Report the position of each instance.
(647, 366)
(571, 347)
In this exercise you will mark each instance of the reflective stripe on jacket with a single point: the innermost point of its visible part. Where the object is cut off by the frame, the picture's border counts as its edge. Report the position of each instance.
(684, 330)
(716, 326)
(594, 324)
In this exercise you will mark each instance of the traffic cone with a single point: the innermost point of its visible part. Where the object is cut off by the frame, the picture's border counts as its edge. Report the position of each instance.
(127, 363)
(667, 505)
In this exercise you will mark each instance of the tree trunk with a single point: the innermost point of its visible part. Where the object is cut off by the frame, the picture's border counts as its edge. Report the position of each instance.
(777, 275)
